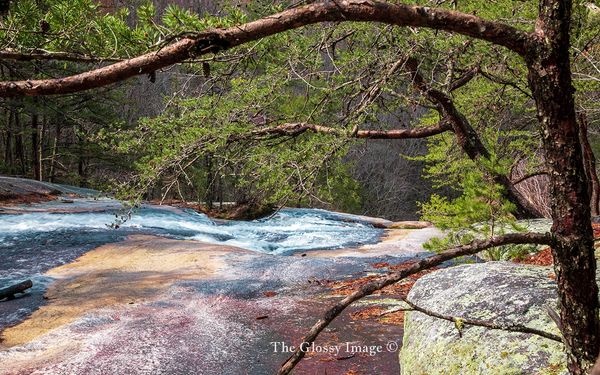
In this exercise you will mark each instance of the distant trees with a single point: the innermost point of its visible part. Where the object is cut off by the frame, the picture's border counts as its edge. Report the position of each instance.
(491, 94)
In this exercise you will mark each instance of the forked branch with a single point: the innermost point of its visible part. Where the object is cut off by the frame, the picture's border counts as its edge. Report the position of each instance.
(468, 139)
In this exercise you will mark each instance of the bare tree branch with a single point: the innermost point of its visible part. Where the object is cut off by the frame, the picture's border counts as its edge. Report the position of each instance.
(464, 79)
(40, 54)
(466, 136)
(44, 55)
(215, 40)
(502, 81)
(294, 129)
(426, 263)
(482, 323)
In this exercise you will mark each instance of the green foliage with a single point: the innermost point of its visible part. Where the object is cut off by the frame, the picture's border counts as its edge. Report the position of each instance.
(504, 120)
(479, 211)
(299, 170)
(82, 27)
(292, 84)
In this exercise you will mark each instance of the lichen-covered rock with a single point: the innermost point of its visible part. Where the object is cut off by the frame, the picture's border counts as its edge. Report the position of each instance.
(499, 292)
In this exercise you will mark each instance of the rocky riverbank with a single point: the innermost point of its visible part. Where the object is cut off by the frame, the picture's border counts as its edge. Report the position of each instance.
(170, 306)
(154, 297)
(144, 300)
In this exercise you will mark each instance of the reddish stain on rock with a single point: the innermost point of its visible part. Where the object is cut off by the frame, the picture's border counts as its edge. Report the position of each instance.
(543, 258)
(399, 289)
(380, 265)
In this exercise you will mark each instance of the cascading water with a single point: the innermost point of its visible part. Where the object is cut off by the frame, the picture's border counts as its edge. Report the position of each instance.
(36, 238)
(145, 318)
(287, 231)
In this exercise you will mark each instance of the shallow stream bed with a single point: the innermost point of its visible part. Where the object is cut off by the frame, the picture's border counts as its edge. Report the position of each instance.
(173, 292)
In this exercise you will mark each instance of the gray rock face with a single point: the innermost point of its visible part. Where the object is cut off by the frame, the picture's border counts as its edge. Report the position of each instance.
(10, 186)
(499, 292)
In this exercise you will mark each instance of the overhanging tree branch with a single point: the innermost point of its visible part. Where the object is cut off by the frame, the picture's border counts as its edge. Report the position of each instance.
(426, 263)
(468, 139)
(215, 40)
(45, 55)
(466, 136)
(294, 129)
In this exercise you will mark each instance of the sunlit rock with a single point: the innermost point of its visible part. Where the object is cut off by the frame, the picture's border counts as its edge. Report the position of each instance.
(498, 292)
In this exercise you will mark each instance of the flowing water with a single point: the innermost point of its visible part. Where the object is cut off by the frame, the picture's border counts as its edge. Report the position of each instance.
(36, 238)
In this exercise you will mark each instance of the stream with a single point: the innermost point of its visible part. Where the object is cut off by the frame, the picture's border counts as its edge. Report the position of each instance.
(36, 238)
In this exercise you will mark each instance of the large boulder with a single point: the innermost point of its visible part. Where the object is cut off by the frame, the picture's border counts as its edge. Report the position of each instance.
(498, 292)
(23, 190)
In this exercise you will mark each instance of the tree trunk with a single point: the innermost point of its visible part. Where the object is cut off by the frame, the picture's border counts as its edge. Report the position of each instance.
(40, 147)
(19, 151)
(8, 150)
(81, 168)
(589, 161)
(546, 52)
(34, 147)
(51, 174)
(210, 182)
(81, 171)
(574, 262)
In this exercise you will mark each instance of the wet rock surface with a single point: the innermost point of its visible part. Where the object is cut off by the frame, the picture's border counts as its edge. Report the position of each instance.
(15, 190)
(153, 297)
(498, 292)
(156, 305)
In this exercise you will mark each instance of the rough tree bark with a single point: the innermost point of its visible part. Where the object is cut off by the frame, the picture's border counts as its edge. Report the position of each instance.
(294, 129)
(575, 265)
(589, 161)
